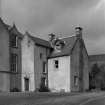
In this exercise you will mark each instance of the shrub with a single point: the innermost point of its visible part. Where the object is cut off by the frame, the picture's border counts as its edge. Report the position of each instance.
(43, 88)
(14, 90)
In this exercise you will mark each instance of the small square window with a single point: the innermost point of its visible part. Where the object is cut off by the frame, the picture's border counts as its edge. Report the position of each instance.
(56, 64)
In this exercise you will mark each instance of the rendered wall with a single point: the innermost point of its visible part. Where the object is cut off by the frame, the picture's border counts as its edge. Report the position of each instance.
(59, 79)
(28, 63)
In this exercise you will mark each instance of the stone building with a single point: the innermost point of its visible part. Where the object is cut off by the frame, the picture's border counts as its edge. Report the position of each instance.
(10, 57)
(27, 61)
(34, 62)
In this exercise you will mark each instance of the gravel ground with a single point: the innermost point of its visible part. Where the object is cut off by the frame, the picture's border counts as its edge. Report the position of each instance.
(48, 98)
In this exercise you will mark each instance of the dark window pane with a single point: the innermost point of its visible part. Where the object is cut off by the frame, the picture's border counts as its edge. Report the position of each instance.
(26, 81)
(41, 55)
(13, 62)
(13, 41)
(44, 67)
(56, 64)
(76, 80)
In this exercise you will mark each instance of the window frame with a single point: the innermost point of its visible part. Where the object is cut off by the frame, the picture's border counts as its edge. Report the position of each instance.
(14, 62)
(76, 80)
(56, 64)
(13, 43)
(41, 55)
(44, 67)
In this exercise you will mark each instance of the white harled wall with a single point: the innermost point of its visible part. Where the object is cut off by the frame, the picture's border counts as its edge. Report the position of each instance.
(28, 62)
(59, 79)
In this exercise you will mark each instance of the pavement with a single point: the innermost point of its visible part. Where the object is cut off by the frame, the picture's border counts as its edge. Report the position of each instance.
(94, 98)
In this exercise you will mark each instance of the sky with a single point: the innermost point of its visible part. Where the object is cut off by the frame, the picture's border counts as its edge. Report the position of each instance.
(42, 17)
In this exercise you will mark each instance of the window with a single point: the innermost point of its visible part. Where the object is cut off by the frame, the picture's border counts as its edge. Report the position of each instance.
(44, 67)
(56, 64)
(76, 80)
(13, 62)
(41, 55)
(43, 81)
(29, 42)
(58, 46)
(13, 41)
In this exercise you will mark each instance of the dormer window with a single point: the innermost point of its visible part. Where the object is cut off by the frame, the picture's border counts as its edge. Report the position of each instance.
(13, 40)
(59, 44)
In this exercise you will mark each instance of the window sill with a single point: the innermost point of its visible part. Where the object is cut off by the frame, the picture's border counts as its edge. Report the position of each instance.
(14, 72)
(14, 47)
(44, 73)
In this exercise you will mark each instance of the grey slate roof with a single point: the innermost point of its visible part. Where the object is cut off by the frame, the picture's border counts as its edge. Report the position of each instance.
(100, 57)
(41, 42)
(66, 50)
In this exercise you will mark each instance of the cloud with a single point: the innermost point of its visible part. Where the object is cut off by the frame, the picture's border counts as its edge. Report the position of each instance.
(42, 17)
(96, 45)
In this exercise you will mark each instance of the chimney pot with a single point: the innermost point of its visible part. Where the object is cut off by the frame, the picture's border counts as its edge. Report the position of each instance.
(51, 37)
(78, 32)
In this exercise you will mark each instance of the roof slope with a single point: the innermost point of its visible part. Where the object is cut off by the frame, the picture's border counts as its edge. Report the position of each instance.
(66, 50)
(3, 24)
(41, 42)
(15, 31)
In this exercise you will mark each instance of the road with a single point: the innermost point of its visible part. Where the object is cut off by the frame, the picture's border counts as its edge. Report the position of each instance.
(95, 98)
(95, 101)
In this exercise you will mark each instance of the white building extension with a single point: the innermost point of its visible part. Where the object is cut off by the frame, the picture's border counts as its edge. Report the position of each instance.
(59, 74)
(28, 79)
(68, 63)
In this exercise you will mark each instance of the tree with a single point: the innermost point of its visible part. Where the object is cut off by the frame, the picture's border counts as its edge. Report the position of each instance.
(97, 77)
(102, 68)
(93, 77)
(43, 87)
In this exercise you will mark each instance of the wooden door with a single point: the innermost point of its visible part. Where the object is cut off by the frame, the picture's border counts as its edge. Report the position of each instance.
(26, 80)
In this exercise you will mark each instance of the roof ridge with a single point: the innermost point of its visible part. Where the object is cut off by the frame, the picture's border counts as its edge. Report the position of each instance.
(40, 41)
(68, 37)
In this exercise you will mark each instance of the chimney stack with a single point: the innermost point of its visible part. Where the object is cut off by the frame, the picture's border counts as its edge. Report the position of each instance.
(78, 32)
(51, 37)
